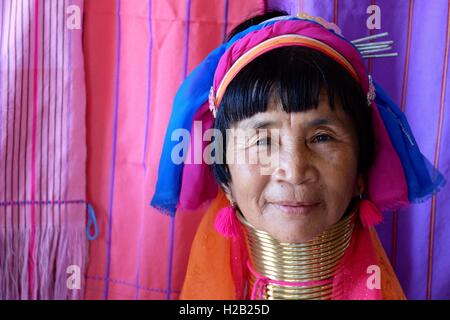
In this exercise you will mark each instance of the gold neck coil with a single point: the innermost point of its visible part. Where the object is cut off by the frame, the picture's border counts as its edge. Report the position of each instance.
(313, 261)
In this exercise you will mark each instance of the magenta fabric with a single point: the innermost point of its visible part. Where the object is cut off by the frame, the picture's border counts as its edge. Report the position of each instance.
(192, 194)
(42, 166)
(416, 238)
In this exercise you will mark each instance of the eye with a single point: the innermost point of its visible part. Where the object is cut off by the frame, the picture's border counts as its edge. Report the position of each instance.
(322, 138)
(266, 141)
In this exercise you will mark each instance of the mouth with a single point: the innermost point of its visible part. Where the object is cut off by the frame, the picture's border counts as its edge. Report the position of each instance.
(298, 208)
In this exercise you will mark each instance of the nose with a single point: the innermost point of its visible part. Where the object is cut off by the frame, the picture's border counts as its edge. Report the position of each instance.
(296, 165)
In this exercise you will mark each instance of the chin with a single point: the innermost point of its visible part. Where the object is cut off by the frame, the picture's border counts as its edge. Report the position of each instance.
(297, 235)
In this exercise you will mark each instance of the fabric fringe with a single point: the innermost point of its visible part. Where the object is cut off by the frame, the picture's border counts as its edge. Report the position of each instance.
(56, 248)
(438, 182)
(166, 207)
(369, 213)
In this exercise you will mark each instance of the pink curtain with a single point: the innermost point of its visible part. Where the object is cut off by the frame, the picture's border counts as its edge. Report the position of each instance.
(137, 53)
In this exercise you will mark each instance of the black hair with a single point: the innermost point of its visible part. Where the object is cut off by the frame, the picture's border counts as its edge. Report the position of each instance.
(295, 75)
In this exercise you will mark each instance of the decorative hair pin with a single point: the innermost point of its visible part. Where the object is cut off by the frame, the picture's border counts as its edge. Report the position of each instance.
(370, 49)
(212, 102)
(364, 45)
(321, 21)
(371, 94)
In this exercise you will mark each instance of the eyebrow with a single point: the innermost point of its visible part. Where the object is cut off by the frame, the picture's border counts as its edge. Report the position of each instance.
(322, 121)
(264, 123)
(259, 124)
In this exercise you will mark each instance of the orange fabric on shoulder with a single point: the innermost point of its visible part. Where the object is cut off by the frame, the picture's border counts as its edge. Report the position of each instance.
(390, 287)
(208, 275)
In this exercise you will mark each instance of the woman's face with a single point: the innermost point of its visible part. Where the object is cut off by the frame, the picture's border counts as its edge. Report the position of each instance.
(311, 176)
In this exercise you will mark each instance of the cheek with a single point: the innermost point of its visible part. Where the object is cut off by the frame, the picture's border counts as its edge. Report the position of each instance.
(247, 187)
(339, 172)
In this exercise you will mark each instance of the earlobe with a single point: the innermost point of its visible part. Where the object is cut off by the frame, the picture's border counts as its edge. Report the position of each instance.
(360, 185)
(228, 192)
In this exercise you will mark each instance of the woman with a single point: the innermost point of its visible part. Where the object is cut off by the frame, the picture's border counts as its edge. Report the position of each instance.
(322, 157)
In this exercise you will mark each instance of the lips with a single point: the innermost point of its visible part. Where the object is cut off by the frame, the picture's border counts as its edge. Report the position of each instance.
(294, 207)
(295, 203)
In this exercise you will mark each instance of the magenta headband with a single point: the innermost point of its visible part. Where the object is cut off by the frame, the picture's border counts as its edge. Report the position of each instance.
(287, 33)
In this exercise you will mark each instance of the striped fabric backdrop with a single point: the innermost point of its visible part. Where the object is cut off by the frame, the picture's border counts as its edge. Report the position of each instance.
(417, 239)
(131, 56)
(42, 152)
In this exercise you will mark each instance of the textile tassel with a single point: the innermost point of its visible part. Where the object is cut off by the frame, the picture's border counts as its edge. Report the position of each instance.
(9, 272)
(59, 257)
(72, 253)
(369, 213)
(226, 223)
(45, 257)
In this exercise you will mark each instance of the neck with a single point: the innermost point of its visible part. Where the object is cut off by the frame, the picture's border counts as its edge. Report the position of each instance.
(297, 270)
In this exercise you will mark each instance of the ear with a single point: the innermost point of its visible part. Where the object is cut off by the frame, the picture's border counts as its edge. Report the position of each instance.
(360, 185)
(227, 189)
